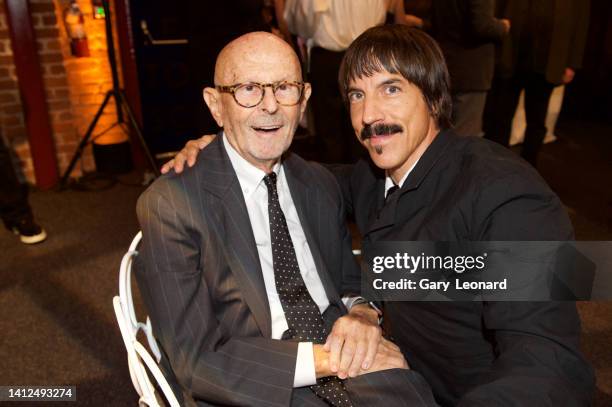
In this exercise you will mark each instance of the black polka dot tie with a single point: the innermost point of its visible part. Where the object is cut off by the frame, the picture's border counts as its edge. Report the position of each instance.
(302, 314)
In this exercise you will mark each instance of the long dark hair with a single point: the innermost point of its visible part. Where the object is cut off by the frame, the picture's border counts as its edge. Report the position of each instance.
(405, 51)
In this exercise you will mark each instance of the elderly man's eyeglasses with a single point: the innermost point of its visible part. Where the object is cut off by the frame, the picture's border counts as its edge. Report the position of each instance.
(251, 94)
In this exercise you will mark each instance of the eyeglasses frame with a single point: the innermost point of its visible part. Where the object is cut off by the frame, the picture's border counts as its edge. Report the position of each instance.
(232, 89)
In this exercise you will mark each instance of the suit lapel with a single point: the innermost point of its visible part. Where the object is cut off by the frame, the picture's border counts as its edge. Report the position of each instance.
(382, 214)
(307, 204)
(243, 258)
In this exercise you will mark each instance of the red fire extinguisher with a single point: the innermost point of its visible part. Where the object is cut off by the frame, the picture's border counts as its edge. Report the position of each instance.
(74, 21)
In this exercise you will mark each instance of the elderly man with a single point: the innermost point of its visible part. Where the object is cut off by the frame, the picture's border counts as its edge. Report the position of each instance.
(245, 256)
(428, 184)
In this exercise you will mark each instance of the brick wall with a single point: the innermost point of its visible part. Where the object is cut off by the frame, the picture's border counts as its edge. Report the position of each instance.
(74, 87)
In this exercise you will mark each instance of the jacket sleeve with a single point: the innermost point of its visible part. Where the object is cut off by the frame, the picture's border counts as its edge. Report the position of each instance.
(482, 21)
(579, 37)
(343, 174)
(208, 362)
(537, 343)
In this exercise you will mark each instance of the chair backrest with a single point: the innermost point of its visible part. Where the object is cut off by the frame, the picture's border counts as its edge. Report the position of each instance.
(139, 360)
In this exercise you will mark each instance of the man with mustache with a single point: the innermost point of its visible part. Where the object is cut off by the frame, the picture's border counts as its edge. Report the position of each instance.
(430, 185)
(424, 183)
(245, 257)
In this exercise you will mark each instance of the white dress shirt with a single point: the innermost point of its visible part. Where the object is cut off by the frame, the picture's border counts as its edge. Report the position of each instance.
(256, 197)
(389, 183)
(341, 21)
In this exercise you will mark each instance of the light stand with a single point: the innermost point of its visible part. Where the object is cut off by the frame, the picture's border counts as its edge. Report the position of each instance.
(120, 100)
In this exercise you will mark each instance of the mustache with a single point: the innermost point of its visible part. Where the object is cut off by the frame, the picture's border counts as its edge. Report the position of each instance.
(379, 129)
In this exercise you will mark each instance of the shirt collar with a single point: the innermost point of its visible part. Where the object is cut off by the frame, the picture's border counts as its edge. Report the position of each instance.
(389, 183)
(249, 176)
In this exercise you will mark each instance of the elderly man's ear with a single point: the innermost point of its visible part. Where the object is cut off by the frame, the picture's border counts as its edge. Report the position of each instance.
(305, 97)
(213, 100)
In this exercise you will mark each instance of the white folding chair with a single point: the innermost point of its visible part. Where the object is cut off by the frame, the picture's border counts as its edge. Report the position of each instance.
(140, 362)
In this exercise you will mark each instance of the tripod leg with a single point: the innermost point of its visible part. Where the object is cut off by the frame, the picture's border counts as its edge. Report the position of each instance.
(85, 139)
(139, 135)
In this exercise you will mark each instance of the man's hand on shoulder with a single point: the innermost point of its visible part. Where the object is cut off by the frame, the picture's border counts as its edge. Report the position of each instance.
(353, 342)
(188, 154)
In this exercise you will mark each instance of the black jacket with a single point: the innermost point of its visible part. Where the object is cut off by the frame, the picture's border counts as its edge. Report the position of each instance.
(467, 32)
(477, 353)
(558, 41)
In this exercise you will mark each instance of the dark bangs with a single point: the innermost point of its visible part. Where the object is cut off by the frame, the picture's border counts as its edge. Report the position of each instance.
(405, 51)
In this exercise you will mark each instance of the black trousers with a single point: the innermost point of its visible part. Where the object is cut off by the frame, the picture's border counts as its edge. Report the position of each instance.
(501, 104)
(13, 195)
(332, 123)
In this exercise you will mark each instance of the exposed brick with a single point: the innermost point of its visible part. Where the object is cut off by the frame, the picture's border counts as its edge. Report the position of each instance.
(90, 99)
(65, 149)
(8, 84)
(47, 32)
(6, 60)
(37, 21)
(42, 7)
(56, 69)
(61, 93)
(51, 57)
(53, 45)
(13, 120)
(59, 127)
(6, 97)
(61, 116)
(56, 81)
(13, 108)
(74, 86)
(49, 19)
(59, 104)
(12, 132)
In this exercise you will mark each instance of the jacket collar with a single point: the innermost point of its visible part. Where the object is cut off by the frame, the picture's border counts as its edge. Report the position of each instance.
(384, 215)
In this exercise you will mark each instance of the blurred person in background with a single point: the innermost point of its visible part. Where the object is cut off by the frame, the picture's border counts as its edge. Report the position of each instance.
(330, 26)
(14, 208)
(467, 32)
(544, 49)
(420, 9)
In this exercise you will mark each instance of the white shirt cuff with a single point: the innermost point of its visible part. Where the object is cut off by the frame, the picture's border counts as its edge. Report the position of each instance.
(349, 301)
(305, 374)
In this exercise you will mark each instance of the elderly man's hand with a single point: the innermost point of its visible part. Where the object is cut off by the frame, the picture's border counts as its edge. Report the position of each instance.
(188, 154)
(353, 341)
(389, 356)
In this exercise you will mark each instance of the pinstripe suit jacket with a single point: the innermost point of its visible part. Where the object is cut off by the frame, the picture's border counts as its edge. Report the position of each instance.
(200, 278)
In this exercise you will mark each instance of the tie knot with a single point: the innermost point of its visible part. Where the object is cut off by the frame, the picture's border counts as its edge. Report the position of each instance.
(391, 191)
(270, 180)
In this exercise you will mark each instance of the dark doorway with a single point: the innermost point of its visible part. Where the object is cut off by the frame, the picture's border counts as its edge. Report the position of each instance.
(589, 96)
(175, 61)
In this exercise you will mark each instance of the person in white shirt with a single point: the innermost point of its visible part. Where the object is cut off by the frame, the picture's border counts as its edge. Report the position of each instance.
(330, 26)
